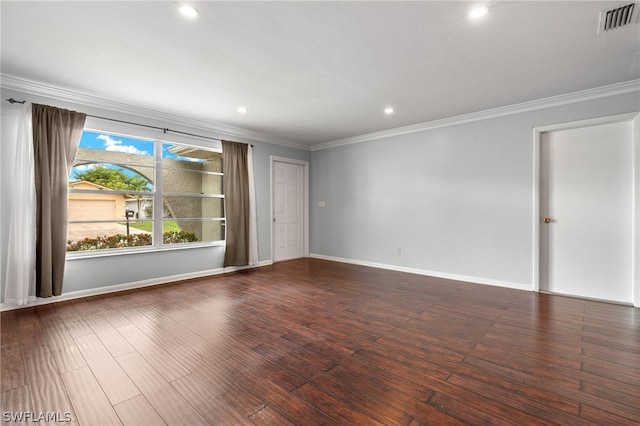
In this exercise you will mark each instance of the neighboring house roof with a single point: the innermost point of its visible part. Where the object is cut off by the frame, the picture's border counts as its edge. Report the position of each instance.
(83, 184)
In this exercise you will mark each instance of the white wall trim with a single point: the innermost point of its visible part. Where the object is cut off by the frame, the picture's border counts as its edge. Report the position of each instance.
(635, 251)
(554, 101)
(635, 248)
(455, 277)
(130, 286)
(66, 95)
(305, 165)
(537, 132)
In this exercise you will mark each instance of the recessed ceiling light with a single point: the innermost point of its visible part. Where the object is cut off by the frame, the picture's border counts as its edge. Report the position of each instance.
(389, 110)
(478, 12)
(243, 110)
(188, 11)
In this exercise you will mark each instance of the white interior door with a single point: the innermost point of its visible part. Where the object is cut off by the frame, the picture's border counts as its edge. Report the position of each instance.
(586, 205)
(288, 210)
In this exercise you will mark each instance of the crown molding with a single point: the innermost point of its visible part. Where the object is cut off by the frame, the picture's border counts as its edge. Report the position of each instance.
(584, 95)
(67, 95)
(40, 89)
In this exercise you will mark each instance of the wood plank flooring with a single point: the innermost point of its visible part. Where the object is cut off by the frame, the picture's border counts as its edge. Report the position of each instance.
(313, 342)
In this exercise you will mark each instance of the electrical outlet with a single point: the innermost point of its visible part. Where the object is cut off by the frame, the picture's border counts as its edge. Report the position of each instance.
(398, 250)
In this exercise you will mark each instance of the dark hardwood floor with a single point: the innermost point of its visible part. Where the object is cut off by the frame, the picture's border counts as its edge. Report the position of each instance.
(314, 342)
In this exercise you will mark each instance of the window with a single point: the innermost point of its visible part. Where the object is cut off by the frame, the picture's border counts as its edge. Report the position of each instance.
(127, 192)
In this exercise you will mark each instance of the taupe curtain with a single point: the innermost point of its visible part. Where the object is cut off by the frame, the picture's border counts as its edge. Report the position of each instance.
(236, 202)
(56, 134)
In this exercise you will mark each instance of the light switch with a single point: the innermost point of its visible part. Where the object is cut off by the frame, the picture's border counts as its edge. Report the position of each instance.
(321, 204)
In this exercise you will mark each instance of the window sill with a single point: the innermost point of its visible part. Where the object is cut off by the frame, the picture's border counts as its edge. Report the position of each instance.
(90, 254)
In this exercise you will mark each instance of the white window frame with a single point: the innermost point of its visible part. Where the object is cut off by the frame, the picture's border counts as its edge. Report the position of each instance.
(134, 132)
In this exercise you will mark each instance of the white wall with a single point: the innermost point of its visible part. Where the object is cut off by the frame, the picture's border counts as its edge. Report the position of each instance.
(99, 273)
(457, 200)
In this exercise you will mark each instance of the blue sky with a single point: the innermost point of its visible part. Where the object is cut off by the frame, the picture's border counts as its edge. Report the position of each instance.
(117, 143)
(103, 141)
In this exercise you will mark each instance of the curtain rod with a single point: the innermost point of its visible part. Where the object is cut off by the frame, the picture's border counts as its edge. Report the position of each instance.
(165, 130)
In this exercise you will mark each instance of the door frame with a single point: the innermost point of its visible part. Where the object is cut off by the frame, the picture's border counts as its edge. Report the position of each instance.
(305, 202)
(635, 195)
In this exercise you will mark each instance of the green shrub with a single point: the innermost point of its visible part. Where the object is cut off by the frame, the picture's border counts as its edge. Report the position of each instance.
(133, 240)
(173, 237)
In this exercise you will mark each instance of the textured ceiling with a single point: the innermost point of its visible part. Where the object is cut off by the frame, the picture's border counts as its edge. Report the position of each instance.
(314, 72)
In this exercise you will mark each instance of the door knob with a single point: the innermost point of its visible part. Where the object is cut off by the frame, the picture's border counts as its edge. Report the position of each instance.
(547, 220)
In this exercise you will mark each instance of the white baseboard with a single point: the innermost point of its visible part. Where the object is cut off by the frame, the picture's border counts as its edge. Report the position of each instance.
(170, 279)
(455, 277)
(129, 286)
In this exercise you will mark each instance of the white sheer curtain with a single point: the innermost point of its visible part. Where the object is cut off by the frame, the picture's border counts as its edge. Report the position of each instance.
(18, 206)
(253, 216)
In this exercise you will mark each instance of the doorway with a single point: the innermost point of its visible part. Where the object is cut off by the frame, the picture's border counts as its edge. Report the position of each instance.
(586, 224)
(289, 208)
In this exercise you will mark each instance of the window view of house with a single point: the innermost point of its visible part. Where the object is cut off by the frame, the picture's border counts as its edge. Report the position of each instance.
(126, 192)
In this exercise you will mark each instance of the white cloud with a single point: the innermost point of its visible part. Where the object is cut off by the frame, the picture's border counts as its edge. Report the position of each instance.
(111, 144)
(84, 167)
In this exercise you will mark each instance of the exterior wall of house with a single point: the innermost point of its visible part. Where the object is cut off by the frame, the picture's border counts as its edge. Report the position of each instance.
(103, 206)
(175, 178)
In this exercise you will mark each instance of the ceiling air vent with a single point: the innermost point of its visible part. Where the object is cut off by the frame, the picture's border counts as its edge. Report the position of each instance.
(618, 17)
